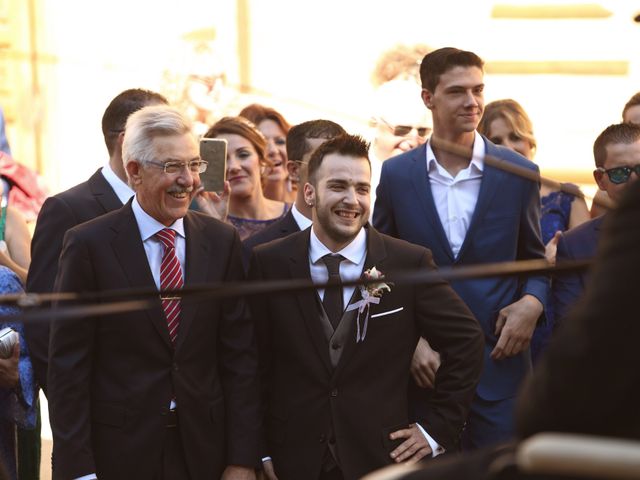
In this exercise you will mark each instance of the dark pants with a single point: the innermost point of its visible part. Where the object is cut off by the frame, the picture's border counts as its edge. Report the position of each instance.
(173, 465)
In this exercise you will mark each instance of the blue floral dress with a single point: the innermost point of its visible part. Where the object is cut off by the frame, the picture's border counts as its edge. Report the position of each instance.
(17, 405)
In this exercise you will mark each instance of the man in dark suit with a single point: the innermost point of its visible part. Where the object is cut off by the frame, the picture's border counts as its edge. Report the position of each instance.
(468, 212)
(336, 375)
(302, 141)
(170, 392)
(104, 191)
(617, 156)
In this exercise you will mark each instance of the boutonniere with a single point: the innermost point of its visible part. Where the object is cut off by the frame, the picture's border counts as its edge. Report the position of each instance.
(370, 293)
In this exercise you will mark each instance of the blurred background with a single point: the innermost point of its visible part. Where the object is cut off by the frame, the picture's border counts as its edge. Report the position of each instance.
(572, 65)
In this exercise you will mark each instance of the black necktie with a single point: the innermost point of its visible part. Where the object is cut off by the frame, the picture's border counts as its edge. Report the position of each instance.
(332, 301)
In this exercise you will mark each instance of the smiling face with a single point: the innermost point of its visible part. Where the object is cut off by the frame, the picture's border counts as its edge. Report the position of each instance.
(243, 165)
(163, 196)
(276, 149)
(457, 102)
(341, 199)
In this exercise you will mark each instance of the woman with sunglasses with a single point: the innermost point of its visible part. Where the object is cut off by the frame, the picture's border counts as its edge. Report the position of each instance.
(248, 208)
(505, 122)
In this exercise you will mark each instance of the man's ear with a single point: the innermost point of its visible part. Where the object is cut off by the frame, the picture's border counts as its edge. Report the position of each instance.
(599, 178)
(427, 98)
(309, 194)
(134, 173)
(293, 167)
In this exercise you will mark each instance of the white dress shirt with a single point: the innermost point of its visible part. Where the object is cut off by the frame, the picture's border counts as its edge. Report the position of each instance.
(455, 198)
(121, 189)
(350, 269)
(302, 221)
(148, 227)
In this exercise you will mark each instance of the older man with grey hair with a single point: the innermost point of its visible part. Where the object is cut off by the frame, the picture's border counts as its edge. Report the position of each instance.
(169, 392)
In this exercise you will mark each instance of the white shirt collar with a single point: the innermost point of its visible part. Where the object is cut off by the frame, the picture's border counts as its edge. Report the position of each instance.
(354, 252)
(477, 159)
(302, 221)
(120, 188)
(149, 226)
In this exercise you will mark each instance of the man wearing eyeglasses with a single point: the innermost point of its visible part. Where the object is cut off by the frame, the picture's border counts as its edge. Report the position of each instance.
(104, 191)
(168, 392)
(617, 156)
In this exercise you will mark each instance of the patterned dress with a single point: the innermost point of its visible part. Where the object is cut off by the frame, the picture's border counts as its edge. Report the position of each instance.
(18, 405)
(249, 226)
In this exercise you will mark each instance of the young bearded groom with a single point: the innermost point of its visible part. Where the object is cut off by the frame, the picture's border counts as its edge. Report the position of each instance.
(335, 377)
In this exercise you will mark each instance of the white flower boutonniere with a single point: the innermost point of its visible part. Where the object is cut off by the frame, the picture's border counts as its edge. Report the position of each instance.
(371, 293)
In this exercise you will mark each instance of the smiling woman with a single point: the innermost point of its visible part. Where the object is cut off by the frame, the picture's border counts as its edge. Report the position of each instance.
(249, 210)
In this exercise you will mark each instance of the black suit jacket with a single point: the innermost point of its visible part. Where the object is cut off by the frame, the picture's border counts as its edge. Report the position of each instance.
(589, 380)
(357, 403)
(111, 379)
(280, 229)
(59, 213)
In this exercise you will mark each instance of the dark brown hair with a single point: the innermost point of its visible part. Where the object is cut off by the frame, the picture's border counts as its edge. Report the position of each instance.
(440, 61)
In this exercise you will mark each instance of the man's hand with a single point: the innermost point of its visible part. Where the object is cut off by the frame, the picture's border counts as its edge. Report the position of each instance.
(413, 449)
(214, 204)
(425, 364)
(268, 473)
(515, 326)
(235, 472)
(9, 375)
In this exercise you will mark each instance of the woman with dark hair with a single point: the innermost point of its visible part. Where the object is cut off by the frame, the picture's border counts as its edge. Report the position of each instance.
(505, 122)
(277, 185)
(248, 208)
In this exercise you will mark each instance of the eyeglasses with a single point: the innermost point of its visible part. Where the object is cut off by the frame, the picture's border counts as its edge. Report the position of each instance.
(404, 130)
(620, 175)
(194, 166)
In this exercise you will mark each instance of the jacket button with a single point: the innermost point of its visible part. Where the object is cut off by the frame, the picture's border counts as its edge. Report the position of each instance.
(336, 346)
(334, 392)
(322, 438)
(175, 367)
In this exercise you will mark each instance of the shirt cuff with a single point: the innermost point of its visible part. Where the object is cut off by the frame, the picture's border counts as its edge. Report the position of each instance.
(436, 449)
(91, 476)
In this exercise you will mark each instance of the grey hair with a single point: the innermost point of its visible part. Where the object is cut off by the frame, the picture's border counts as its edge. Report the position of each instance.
(146, 124)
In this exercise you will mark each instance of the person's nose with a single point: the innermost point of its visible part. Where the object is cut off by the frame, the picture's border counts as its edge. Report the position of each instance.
(470, 99)
(272, 149)
(186, 178)
(232, 164)
(350, 197)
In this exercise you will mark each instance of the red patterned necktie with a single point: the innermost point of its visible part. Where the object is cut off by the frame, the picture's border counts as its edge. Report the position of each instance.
(170, 279)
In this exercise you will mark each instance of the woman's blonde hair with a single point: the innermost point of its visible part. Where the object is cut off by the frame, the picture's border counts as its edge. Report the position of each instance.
(511, 112)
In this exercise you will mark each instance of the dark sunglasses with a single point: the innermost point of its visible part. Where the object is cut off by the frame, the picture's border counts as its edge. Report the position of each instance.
(620, 175)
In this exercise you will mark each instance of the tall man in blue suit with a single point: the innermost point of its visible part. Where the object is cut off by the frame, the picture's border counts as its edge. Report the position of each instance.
(468, 212)
(617, 156)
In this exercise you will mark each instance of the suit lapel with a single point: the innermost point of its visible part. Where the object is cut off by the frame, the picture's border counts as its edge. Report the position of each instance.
(376, 255)
(490, 184)
(307, 299)
(422, 187)
(196, 263)
(129, 250)
(103, 193)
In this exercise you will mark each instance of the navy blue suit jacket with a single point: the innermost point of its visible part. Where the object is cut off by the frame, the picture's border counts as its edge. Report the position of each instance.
(579, 243)
(505, 226)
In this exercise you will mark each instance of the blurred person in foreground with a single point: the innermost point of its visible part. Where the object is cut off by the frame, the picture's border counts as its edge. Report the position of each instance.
(169, 392)
(277, 183)
(335, 374)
